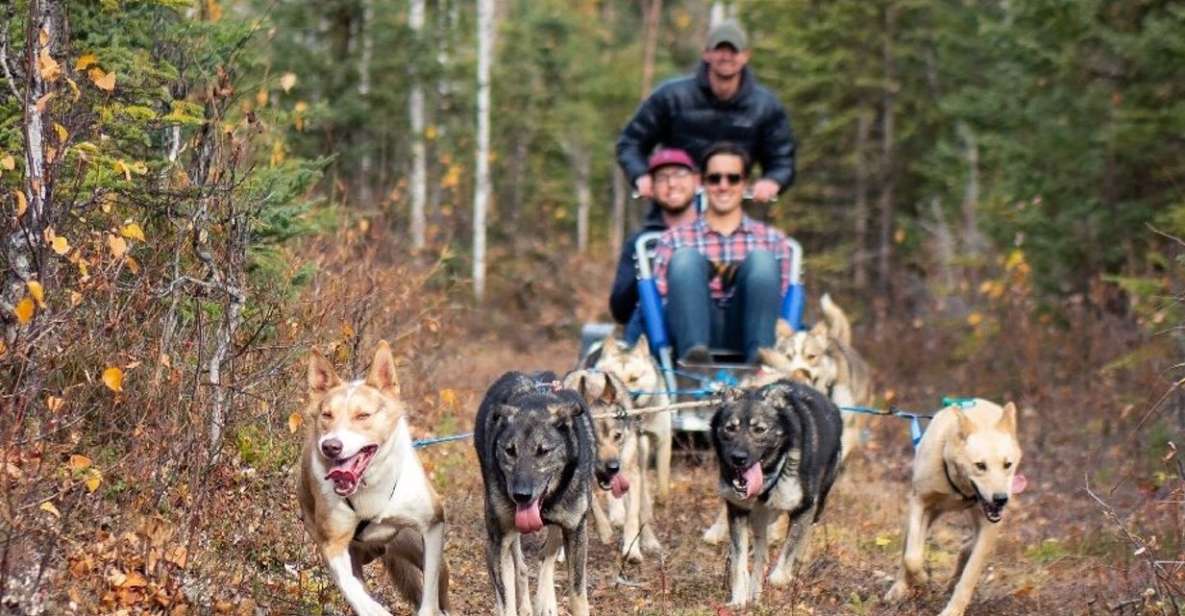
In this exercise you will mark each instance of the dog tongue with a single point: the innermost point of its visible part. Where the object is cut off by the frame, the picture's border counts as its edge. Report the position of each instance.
(619, 486)
(344, 481)
(1019, 483)
(754, 479)
(527, 518)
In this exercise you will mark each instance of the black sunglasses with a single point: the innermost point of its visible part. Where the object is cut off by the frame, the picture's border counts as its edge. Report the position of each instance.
(733, 178)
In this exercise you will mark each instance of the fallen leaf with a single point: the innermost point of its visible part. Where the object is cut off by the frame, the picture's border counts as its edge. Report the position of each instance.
(75, 298)
(61, 245)
(78, 462)
(63, 134)
(106, 82)
(74, 89)
(7, 162)
(261, 97)
(117, 245)
(54, 403)
(177, 556)
(24, 310)
(132, 231)
(287, 81)
(50, 509)
(113, 379)
(47, 67)
(37, 292)
(882, 541)
(21, 203)
(133, 265)
(294, 421)
(43, 102)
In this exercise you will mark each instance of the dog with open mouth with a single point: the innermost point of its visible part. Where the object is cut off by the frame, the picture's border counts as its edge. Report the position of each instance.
(966, 461)
(619, 468)
(778, 452)
(364, 494)
(535, 445)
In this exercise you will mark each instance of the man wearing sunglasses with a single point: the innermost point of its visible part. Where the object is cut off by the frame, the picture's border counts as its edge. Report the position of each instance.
(722, 101)
(675, 182)
(724, 274)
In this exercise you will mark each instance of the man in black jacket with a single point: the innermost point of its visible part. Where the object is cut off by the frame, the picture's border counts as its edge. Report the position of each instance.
(722, 101)
(675, 181)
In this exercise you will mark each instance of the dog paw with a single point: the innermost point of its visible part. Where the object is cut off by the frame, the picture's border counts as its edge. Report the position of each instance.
(715, 534)
(781, 577)
(897, 593)
(650, 544)
(952, 611)
(633, 554)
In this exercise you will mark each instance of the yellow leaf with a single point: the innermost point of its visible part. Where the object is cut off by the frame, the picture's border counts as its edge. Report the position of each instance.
(134, 580)
(430, 133)
(43, 102)
(294, 421)
(61, 245)
(43, 37)
(287, 81)
(93, 479)
(47, 67)
(882, 541)
(63, 134)
(78, 462)
(54, 403)
(37, 292)
(132, 231)
(177, 556)
(74, 89)
(974, 319)
(50, 509)
(24, 310)
(75, 298)
(3, 348)
(106, 82)
(261, 97)
(21, 203)
(113, 379)
(84, 61)
(448, 397)
(7, 162)
(134, 265)
(117, 245)
(123, 167)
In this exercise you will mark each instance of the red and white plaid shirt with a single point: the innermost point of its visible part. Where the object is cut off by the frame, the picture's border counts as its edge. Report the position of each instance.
(725, 253)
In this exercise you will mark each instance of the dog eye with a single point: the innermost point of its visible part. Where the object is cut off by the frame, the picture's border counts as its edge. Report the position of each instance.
(326, 415)
(981, 466)
(361, 416)
(542, 451)
(510, 451)
(1007, 465)
(617, 436)
(758, 429)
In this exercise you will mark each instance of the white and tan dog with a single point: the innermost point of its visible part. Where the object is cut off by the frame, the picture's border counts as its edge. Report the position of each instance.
(640, 373)
(966, 461)
(363, 493)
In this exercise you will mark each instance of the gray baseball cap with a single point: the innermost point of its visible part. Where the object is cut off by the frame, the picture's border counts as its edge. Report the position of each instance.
(729, 32)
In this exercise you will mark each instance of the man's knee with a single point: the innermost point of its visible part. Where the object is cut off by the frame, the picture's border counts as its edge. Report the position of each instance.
(688, 267)
(760, 266)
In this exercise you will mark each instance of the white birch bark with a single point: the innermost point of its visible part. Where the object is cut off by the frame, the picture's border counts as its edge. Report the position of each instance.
(481, 196)
(419, 155)
(366, 164)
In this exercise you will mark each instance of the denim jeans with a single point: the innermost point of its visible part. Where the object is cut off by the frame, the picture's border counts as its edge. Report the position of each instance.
(745, 324)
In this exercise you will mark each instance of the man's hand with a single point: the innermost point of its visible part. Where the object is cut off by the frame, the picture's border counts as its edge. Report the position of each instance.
(645, 186)
(765, 190)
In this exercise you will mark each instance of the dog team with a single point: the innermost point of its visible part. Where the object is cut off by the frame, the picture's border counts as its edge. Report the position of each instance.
(551, 448)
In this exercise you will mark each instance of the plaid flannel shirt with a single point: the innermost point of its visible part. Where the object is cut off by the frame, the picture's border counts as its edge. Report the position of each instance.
(725, 253)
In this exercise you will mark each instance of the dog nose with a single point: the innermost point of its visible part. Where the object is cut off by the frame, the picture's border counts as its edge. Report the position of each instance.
(999, 500)
(739, 459)
(331, 448)
(522, 496)
(613, 466)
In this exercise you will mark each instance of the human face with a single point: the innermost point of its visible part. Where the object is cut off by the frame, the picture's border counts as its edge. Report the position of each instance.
(724, 195)
(674, 186)
(725, 61)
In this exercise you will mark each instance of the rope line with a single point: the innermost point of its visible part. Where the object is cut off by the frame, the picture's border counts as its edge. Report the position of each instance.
(427, 442)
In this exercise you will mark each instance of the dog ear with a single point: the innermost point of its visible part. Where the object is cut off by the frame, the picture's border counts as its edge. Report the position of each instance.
(564, 411)
(642, 347)
(783, 329)
(322, 378)
(820, 329)
(1007, 421)
(609, 346)
(503, 412)
(382, 370)
(774, 359)
(966, 426)
(731, 394)
(609, 391)
(776, 395)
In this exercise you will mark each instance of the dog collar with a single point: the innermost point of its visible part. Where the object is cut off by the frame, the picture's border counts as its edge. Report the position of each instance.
(946, 471)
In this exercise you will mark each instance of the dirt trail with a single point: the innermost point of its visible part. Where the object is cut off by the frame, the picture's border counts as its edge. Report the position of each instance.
(854, 553)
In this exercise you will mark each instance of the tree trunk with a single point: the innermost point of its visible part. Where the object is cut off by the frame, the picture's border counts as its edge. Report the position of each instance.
(860, 214)
(888, 163)
(972, 240)
(650, 45)
(419, 156)
(481, 196)
(579, 159)
(617, 227)
(365, 143)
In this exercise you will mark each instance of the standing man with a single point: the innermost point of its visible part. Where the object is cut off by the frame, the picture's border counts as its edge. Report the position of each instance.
(675, 180)
(722, 101)
(724, 274)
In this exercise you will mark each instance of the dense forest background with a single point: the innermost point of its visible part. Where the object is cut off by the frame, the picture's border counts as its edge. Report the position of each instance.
(194, 193)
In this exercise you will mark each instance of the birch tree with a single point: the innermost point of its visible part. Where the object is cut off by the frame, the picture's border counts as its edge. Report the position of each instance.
(415, 110)
(481, 195)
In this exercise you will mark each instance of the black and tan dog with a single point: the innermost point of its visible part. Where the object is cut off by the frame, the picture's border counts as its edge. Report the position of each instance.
(778, 450)
(535, 444)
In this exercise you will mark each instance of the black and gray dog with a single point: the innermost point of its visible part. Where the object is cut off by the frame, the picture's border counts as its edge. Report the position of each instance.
(778, 448)
(536, 447)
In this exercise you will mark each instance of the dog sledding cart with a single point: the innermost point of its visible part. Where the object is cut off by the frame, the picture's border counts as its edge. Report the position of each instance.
(727, 367)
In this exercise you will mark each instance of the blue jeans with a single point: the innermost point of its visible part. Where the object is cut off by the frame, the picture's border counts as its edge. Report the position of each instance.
(744, 325)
